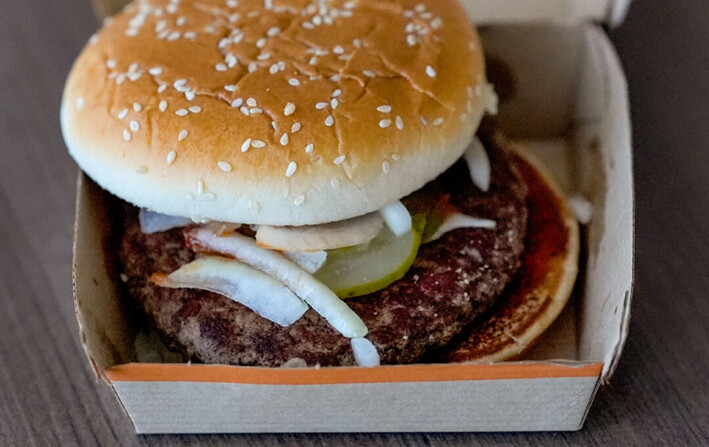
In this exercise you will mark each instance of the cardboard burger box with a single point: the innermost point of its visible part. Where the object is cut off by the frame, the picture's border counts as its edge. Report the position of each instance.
(567, 103)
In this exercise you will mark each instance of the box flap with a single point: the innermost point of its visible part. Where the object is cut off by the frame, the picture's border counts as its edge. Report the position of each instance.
(560, 11)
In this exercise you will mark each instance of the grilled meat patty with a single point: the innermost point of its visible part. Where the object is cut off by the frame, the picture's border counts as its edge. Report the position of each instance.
(453, 280)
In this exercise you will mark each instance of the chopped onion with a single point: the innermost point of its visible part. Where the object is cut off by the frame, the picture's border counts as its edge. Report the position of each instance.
(458, 220)
(295, 362)
(478, 164)
(344, 233)
(397, 218)
(582, 208)
(151, 222)
(309, 261)
(365, 352)
(243, 284)
(316, 294)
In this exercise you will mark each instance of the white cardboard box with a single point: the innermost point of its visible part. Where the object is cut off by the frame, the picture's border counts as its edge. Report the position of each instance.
(570, 108)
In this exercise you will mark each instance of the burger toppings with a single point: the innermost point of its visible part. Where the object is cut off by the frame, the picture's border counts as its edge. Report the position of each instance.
(344, 233)
(366, 268)
(239, 282)
(365, 352)
(397, 218)
(458, 220)
(151, 222)
(316, 294)
(311, 262)
(479, 164)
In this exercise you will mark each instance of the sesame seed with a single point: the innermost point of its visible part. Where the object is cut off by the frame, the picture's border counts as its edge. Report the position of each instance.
(237, 103)
(399, 123)
(369, 73)
(313, 60)
(111, 63)
(430, 71)
(338, 49)
(264, 56)
(220, 67)
(182, 135)
(424, 121)
(384, 123)
(258, 144)
(274, 125)
(329, 121)
(162, 88)
(273, 69)
(80, 102)
(137, 107)
(273, 31)
(411, 40)
(295, 127)
(291, 169)
(246, 145)
(339, 160)
(251, 102)
(320, 105)
(245, 110)
(386, 167)
(155, 71)
(309, 148)
(181, 21)
(200, 187)
(334, 103)
(126, 135)
(307, 25)
(181, 112)
(195, 109)
(261, 42)
(294, 82)
(163, 105)
(180, 84)
(123, 114)
(231, 60)
(438, 121)
(225, 166)
(134, 126)
(230, 88)
(334, 183)
(289, 109)
(120, 79)
(357, 43)
(384, 109)
(171, 156)
(284, 139)
(256, 110)
(299, 200)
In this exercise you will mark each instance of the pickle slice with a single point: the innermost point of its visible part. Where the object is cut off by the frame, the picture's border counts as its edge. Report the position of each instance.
(366, 268)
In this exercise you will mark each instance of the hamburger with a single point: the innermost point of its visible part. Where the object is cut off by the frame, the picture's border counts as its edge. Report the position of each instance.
(310, 181)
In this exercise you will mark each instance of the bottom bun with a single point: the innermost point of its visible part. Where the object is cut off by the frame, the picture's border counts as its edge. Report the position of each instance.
(544, 282)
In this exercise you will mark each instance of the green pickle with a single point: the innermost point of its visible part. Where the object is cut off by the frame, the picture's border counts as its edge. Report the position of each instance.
(362, 269)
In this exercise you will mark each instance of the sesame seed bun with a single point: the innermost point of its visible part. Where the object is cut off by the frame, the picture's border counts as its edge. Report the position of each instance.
(283, 115)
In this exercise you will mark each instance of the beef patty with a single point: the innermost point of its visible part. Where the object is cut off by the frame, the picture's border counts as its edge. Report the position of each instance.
(453, 279)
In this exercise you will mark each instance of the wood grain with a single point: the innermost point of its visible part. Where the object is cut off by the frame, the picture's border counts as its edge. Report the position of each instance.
(659, 395)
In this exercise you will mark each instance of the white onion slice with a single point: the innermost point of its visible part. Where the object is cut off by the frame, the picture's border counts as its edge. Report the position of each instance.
(316, 294)
(458, 220)
(478, 164)
(152, 222)
(310, 261)
(397, 218)
(365, 352)
(243, 284)
(344, 233)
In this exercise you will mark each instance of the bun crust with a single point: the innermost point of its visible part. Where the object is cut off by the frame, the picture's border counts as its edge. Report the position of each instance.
(355, 104)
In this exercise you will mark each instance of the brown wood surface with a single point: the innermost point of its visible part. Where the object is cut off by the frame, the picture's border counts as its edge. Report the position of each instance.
(659, 395)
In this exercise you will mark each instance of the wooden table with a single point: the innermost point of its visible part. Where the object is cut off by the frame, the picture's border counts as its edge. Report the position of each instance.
(659, 394)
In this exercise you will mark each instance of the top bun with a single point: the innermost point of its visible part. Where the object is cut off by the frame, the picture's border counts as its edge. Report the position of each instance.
(347, 105)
